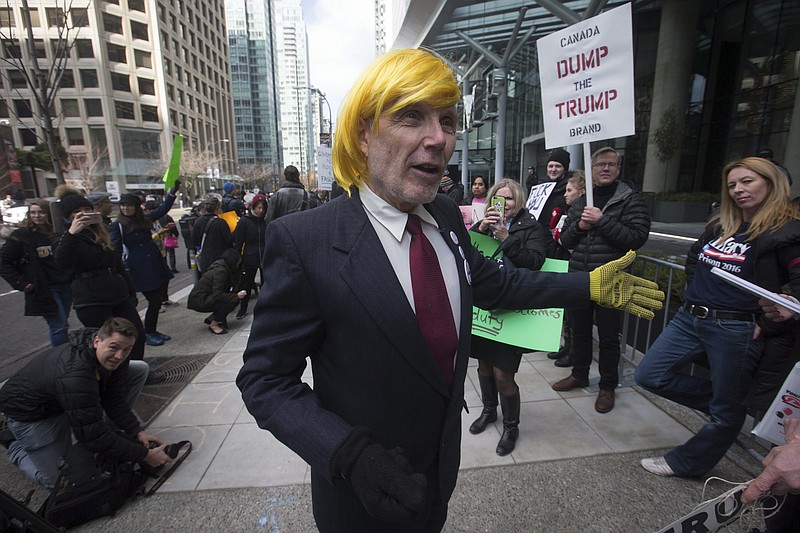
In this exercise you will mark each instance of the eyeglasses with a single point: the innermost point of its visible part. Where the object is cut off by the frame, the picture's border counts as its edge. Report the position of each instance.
(604, 164)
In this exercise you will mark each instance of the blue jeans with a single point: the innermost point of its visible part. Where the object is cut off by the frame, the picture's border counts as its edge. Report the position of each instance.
(58, 322)
(733, 356)
(40, 445)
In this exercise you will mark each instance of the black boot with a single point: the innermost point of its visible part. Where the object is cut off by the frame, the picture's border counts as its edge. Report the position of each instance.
(510, 406)
(489, 398)
(565, 362)
(242, 310)
(564, 350)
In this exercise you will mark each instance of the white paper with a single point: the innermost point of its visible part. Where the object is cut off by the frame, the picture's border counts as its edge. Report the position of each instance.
(755, 290)
(785, 405)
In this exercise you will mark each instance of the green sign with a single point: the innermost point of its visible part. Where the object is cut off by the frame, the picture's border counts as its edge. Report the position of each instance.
(532, 329)
(174, 170)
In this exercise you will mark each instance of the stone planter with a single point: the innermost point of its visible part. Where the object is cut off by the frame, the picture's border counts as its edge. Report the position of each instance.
(677, 211)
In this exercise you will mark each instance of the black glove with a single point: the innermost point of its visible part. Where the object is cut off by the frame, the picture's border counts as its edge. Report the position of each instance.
(386, 484)
(382, 479)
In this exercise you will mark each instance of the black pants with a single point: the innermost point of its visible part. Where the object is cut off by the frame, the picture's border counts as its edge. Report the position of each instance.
(171, 259)
(249, 281)
(787, 519)
(609, 322)
(154, 299)
(222, 310)
(94, 317)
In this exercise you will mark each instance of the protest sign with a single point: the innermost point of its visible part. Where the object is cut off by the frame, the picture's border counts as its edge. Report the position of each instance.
(324, 168)
(712, 515)
(174, 170)
(586, 73)
(785, 405)
(532, 329)
(538, 196)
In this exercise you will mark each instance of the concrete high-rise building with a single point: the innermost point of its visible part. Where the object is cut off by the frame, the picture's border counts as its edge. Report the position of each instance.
(297, 126)
(140, 72)
(254, 80)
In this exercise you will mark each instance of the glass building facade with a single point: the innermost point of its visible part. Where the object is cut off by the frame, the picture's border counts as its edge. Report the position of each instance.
(736, 91)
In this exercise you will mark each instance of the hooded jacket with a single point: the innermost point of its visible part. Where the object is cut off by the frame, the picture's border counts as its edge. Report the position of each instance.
(217, 285)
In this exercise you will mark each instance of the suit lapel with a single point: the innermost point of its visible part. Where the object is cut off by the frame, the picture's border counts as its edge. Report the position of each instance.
(369, 274)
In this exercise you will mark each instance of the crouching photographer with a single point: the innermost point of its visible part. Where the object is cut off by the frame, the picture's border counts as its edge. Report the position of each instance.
(71, 390)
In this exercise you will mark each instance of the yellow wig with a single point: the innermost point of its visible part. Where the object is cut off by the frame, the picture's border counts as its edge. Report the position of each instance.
(392, 82)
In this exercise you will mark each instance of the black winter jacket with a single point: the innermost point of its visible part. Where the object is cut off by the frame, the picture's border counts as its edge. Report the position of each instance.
(777, 263)
(248, 237)
(68, 379)
(21, 260)
(625, 225)
(526, 242)
(213, 242)
(214, 287)
(290, 197)
(98, 275)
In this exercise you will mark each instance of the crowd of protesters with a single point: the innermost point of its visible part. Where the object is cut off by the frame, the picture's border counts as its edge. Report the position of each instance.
(97, 265)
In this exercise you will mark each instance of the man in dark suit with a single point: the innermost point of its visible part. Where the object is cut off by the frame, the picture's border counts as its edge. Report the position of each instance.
(381, 428)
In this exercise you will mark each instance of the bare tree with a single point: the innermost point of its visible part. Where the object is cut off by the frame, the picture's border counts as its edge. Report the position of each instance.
(195, 163)
(43, 79)
(261, 175)
(90, 170)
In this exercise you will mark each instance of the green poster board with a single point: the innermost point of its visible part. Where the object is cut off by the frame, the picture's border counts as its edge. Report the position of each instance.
(531, 329)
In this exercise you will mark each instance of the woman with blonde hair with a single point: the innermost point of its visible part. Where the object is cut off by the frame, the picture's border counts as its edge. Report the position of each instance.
(27, 264)
(523, 241)
(755, 236)
(101, 288)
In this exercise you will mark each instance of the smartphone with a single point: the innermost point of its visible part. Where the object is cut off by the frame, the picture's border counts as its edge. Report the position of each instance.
(56, 217)
(499, 203)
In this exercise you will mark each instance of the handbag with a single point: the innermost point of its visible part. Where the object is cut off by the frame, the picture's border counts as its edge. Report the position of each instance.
(171, 241)
(90, 487)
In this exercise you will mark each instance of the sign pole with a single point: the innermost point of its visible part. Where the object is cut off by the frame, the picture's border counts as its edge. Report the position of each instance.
(587, 163)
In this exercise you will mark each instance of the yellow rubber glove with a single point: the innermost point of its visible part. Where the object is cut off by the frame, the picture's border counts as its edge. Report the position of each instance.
(609, 286)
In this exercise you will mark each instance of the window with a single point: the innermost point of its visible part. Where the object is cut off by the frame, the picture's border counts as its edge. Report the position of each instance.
(80, 17)
(89, 78)
(23, 108)
(69, 107)
(116, 53)
(112, 23)
(142, 59)
(120, 82)
(124, 110)
(147, 86)
(17, 79)
(55, 17)
(94, 108)
(68, 79)
(136, 5)
(39, 49)
(149, 113)
(35, 22)
(84, 48)
(3, 110)
(75, 136)
(29, 137)
(7, 18)
(139, 31)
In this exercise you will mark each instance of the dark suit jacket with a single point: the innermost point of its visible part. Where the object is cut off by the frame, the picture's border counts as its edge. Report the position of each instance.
(333, 296)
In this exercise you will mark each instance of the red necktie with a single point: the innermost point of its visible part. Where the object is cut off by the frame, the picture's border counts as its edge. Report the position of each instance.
(431, 303)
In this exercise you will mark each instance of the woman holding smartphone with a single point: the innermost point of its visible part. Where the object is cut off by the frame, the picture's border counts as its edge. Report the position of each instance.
(523, 241)
(101, 287)
(27, 264)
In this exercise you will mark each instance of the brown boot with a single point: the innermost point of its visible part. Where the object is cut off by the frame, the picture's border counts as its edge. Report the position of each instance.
(570, 382)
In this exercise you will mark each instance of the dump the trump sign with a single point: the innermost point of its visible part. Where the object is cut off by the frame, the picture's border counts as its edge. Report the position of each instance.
(586, 71)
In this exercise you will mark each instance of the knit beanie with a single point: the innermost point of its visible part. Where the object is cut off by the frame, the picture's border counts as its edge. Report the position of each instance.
(71, 200)
(228, 187)
(559, 155)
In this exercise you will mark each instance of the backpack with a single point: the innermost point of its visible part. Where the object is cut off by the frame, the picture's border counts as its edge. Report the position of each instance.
(90, 486)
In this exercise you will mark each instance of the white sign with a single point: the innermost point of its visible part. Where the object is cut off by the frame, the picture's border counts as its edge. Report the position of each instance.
(538, 196)
(112, 187)
(586, 72)
(324, 168)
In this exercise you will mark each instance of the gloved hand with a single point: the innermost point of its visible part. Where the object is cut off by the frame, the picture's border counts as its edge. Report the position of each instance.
(609, 286)
(386, 484)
